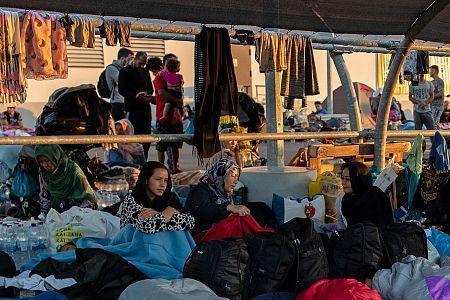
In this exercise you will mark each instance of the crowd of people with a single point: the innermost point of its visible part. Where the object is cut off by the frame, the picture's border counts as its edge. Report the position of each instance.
(132, 94)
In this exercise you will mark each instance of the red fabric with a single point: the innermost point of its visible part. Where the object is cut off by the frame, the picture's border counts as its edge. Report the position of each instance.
(231, 227)
(339, 289)
(160, 84)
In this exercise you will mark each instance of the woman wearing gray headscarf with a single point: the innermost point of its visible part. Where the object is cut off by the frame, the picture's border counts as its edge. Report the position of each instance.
(211, 200)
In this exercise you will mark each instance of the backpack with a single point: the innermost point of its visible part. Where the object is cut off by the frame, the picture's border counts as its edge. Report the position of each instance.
(310, 264)
(272, 257)
(400, 240)
(355, 252)
(102, 85)
(221, 265)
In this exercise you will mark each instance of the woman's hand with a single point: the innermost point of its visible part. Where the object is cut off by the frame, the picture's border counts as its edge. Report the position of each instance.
(240, 210)
(147, 213)
(169, 212)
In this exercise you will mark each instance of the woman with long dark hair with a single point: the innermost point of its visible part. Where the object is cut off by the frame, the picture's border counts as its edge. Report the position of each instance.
(152, 207)
(363, 201)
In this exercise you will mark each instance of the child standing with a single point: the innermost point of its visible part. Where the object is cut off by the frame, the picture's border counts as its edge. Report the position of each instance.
(175, 84)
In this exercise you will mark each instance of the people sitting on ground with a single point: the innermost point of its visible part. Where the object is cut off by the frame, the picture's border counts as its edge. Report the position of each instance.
(175, 84)
(62, 182)
(152, 206)
(211, 200)
(230, 150)
(362, 201)
(11, 118)
(128, 154)
(188, 116)
(319, 109)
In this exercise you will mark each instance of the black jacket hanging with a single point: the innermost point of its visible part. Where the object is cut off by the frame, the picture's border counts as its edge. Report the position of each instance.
(215, 88)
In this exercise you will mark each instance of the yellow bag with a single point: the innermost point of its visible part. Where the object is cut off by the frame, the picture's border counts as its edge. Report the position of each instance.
(330, 184)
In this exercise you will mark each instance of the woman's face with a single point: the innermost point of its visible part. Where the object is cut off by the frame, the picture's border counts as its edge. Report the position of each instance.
(346, 183)
(231, 145)
(119, 129)
(157, 184)
(231, 180)
(46, 164)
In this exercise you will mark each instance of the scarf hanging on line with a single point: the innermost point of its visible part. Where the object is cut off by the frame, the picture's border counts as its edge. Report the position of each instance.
(293, 56)
(13, 83)
(215, 88)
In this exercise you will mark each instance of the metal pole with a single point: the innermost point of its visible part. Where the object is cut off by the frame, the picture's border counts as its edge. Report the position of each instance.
(394, 71)
(174, 138)
(330, 103)
(350, 94)
(274, 110)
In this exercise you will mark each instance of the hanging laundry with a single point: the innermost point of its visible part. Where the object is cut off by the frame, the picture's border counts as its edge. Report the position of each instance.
(82, 32)
(13, 83)
(271, 52)
(114, 30)
(417, 62)
(44, 51)
(215, 88)
(293, 56)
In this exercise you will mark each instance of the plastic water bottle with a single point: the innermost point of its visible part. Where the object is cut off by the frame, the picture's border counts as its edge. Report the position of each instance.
(44, 239)
(9, 242)
(22, 253)
(34, 240)
(2, 236)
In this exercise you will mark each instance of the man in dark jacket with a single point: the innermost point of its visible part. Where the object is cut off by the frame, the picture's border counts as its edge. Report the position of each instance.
(136, 87)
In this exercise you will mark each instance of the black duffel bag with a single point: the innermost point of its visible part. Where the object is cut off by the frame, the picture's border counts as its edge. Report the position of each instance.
(221, 265)
(400, 240)
(356, 252)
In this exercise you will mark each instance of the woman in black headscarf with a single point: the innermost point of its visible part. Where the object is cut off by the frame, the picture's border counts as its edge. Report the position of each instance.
(363, 201)
(152, 207)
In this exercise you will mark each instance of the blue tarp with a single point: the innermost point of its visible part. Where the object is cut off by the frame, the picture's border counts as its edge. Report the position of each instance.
(159, 255)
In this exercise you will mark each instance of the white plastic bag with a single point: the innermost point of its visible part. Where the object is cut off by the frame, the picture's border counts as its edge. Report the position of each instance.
(79, 222)
(285, 209)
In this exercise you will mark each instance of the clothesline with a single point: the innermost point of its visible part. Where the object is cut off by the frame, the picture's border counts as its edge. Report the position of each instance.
(315, 37)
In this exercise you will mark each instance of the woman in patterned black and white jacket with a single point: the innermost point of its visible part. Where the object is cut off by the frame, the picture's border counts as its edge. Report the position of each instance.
(152, 207)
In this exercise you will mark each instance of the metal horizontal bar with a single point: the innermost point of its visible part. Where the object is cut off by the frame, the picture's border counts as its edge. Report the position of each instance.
(172, 138)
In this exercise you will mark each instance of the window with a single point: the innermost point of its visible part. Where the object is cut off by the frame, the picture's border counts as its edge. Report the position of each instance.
(86, 57)
(151, 46)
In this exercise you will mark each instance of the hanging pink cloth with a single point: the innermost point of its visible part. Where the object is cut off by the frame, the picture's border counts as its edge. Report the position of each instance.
(44, 51)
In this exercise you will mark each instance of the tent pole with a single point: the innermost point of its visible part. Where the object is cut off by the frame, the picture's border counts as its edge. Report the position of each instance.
(330, 103)
(349, 90)
(394, 71)
(274, 113)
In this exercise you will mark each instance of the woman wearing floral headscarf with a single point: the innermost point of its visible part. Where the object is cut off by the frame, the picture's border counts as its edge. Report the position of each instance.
(211, 200)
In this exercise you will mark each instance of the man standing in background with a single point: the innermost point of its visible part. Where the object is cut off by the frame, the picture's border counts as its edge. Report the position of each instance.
(437, 105)
(124, 56)
(422, 95)
(136, 87)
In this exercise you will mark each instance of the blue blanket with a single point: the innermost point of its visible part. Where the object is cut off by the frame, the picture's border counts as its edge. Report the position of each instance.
(160, 255)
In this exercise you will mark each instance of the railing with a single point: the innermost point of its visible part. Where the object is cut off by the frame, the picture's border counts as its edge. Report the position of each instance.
(173, 138)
